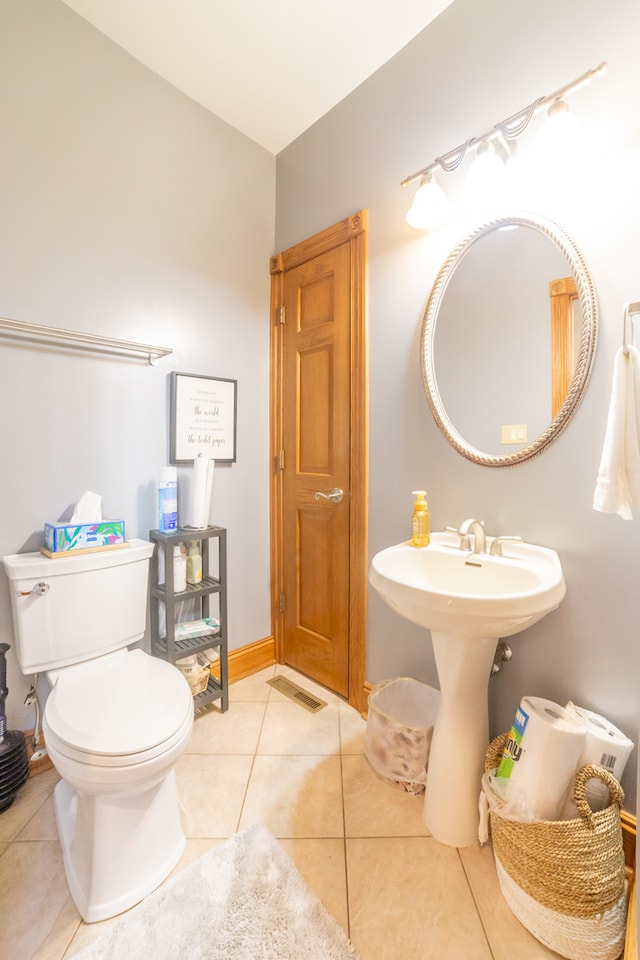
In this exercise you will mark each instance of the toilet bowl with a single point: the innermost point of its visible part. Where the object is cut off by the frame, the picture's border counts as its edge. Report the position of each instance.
(114, 728)
(115, 722)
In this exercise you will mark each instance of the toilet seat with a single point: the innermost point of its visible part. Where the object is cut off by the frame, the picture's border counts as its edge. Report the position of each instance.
(121, 709)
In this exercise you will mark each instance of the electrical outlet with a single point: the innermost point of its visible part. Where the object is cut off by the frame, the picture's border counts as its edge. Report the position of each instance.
(513, 433)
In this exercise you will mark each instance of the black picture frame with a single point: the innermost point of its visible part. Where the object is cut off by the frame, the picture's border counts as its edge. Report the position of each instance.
(203, 418)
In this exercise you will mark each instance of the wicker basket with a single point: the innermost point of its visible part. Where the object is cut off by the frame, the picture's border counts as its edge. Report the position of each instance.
(564, 880)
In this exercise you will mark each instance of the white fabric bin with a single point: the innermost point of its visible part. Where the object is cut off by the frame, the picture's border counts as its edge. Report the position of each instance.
(402, 713)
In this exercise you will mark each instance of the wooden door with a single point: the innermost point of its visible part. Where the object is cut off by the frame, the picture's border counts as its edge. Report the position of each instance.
(319, 435)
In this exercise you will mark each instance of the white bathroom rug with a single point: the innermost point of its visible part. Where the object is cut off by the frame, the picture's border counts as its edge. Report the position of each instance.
(244, 900)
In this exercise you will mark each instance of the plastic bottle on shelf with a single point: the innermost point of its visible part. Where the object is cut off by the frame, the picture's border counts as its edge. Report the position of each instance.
(194, 563)
(179, 569)
(168, 500)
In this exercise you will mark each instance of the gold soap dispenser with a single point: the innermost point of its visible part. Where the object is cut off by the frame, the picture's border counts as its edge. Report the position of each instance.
(421, 521)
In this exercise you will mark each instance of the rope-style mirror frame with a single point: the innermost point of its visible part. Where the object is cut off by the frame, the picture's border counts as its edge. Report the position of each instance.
(586, 353)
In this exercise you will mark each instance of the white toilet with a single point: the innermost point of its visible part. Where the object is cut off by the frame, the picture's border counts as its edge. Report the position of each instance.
(115, 721)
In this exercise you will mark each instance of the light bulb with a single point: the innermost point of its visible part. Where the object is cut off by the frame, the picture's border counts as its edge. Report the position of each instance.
(430, 207)
(560, 139)
(485, 179)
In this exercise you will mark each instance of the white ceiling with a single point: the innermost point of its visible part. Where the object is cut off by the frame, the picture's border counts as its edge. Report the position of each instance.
(270, 68)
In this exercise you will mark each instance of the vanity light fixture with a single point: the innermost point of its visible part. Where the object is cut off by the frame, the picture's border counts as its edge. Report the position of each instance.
(430, 206)
(500, 138)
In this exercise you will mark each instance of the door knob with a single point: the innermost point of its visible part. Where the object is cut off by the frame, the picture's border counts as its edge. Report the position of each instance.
(336, 495)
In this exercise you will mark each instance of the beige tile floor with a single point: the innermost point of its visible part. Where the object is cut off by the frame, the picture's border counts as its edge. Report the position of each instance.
(360, 843)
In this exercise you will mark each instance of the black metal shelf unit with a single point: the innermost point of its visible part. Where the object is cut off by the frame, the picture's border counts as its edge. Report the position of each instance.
(213, 584)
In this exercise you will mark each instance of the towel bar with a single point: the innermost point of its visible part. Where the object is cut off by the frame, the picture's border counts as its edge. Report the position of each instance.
(17, 329)
(630, 310)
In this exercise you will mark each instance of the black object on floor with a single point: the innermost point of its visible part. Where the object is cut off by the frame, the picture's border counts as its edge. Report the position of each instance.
(14, 763)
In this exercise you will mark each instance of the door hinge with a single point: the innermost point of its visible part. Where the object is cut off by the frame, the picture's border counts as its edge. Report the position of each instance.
(281, 603)
(280, 460)
(281, 315)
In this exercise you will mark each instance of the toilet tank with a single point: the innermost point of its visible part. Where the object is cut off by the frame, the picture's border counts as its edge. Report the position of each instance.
(73, 608)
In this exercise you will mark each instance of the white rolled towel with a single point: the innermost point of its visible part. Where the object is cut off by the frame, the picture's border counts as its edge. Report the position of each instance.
(618, 483)
(200, 493)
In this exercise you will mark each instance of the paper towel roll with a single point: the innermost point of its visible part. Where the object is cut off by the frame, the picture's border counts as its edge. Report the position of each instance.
(545, 754)
(200, 493)
(605, 745)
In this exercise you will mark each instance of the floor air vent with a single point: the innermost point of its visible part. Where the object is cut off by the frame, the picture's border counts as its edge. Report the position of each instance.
(296, 693)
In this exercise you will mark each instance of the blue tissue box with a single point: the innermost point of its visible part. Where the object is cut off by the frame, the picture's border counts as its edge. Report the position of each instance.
(65, 537)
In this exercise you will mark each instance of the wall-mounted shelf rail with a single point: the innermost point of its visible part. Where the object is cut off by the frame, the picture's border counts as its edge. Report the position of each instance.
(20, 330)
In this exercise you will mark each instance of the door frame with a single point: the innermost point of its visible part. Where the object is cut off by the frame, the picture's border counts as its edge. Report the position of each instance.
(352, 230)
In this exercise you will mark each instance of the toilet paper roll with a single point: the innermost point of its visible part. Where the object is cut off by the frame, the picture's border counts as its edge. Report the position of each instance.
(200, 493)
(604, 745)
(539, 762)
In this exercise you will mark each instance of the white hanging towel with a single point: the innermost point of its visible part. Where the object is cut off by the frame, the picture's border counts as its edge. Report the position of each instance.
(618, 483)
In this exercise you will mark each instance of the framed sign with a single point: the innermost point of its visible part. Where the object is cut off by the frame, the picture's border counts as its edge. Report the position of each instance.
(203, 418)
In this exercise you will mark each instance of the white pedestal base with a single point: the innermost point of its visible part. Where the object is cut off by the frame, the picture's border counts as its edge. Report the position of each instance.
(460, 737)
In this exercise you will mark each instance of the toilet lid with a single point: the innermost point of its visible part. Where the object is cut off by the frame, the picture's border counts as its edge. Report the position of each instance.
(125, 703)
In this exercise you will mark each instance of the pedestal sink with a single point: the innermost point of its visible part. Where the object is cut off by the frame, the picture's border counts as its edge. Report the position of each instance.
(468, 601)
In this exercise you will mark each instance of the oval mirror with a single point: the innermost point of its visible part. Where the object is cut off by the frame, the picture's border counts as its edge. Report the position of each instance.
(508, 339)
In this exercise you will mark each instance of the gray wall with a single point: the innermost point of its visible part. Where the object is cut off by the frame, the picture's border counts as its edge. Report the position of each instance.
(126, 211)
(478, 63)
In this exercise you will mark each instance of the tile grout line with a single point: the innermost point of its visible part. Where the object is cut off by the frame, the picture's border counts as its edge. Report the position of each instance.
(16, 837)
(255, 754)
(475, 903)
(253, 760)
(72, 936)
(344, 827)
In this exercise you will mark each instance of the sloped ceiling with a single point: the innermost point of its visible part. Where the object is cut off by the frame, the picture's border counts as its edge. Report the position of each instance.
(270, 69)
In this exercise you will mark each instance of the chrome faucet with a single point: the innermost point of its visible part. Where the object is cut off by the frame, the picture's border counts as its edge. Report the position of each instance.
(476, 527)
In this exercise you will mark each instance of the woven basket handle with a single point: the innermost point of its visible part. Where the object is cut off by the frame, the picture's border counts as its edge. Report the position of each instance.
(594, 772)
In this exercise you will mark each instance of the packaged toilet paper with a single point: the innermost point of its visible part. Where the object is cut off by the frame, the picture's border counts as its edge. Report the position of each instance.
(535, 775)
(604, 745)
